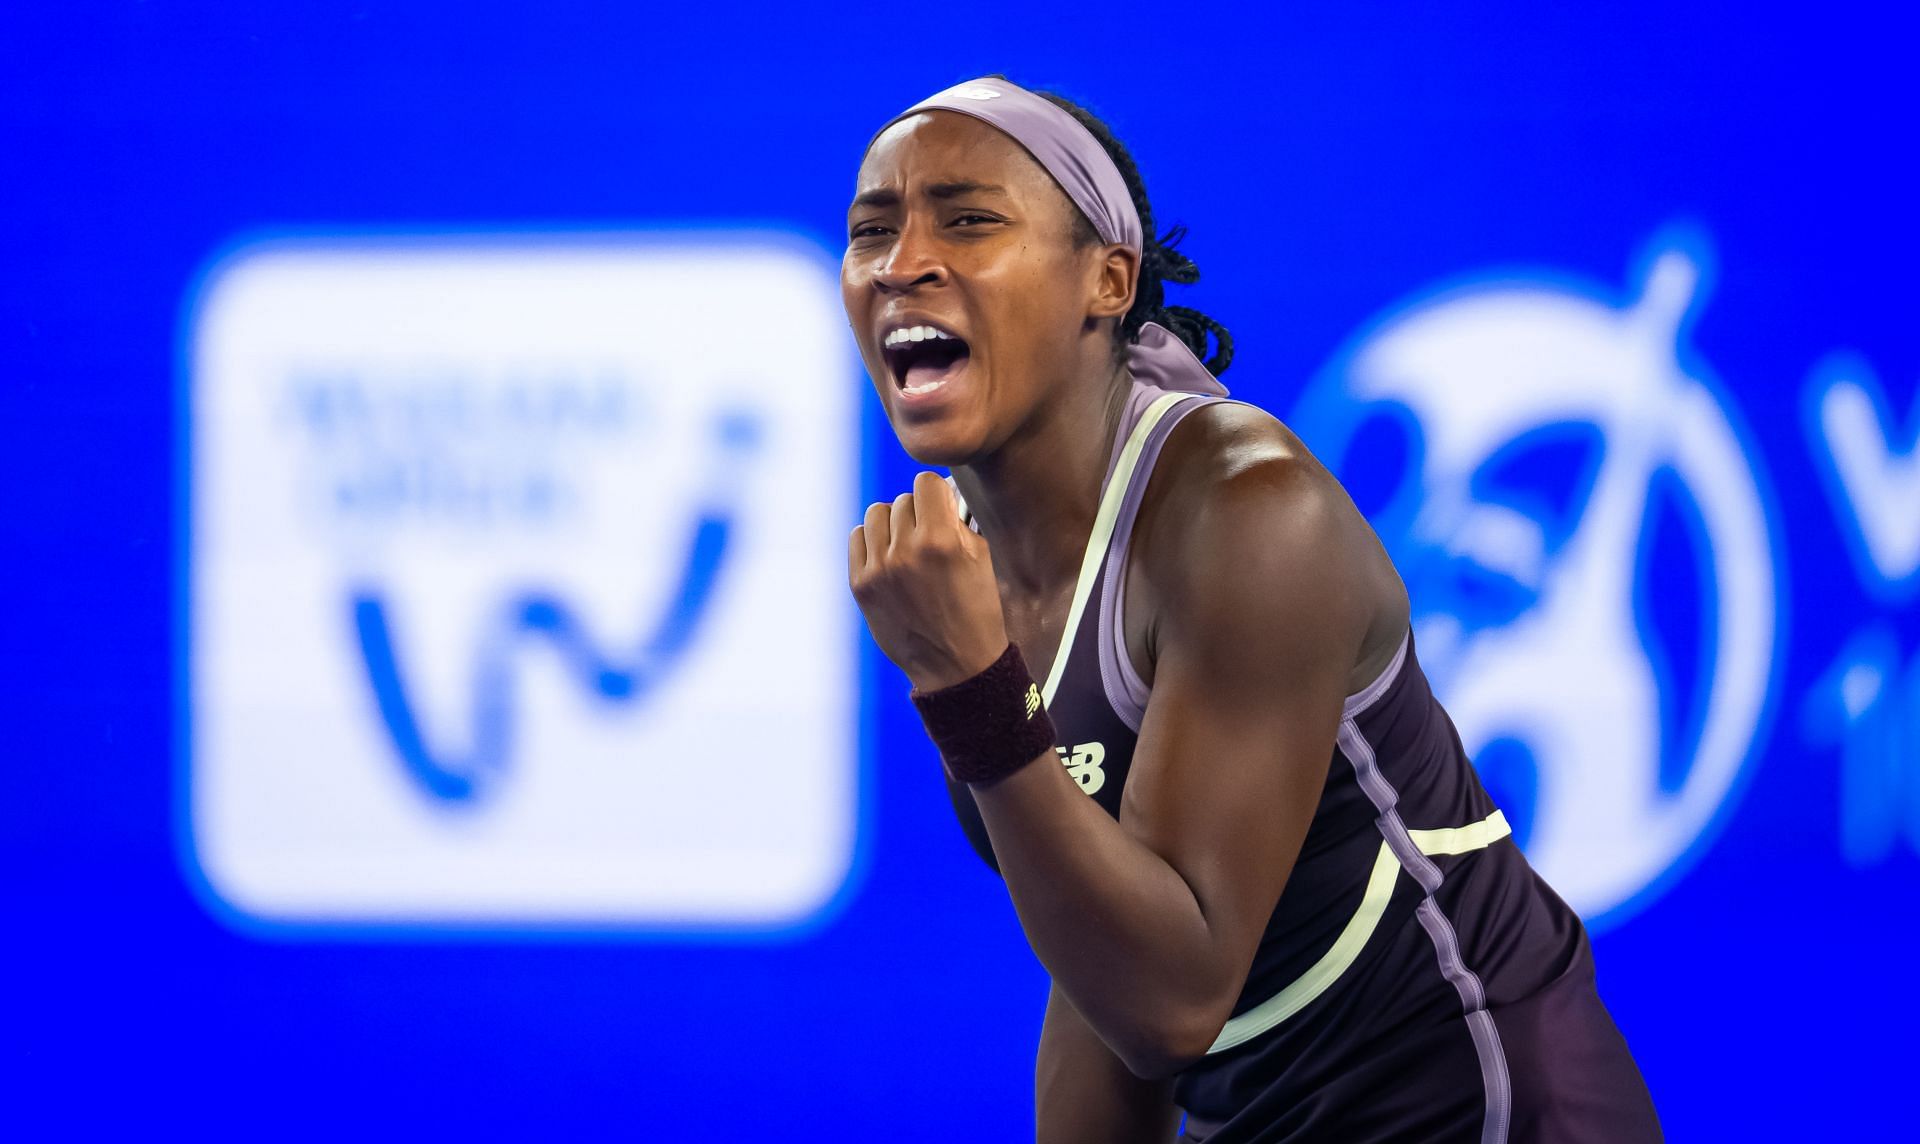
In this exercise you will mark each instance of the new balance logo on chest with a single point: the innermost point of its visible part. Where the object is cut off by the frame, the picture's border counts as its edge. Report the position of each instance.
(1083, 762)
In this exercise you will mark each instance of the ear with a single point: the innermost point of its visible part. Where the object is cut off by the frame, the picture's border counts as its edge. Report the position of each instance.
(1117, 273)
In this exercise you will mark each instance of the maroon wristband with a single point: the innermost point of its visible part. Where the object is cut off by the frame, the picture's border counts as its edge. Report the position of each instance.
(991, 725)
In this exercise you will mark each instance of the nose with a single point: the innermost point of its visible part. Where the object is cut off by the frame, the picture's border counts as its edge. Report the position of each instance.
(911, 262)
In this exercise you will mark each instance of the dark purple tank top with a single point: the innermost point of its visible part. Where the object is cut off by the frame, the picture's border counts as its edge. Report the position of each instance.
(1410, 922)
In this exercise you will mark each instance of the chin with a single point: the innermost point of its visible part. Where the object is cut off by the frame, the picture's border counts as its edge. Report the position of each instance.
(945, 445)
(947, 433)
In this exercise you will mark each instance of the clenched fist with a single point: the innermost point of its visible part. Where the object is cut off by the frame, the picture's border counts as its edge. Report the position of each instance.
(924, 580)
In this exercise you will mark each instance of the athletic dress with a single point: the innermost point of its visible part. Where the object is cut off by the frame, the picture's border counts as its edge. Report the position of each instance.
(1417, 980)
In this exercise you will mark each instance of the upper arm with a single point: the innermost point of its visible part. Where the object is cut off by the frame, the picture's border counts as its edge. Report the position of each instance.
(1257, 585)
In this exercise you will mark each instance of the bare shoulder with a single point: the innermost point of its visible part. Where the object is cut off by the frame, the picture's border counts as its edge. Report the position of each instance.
(1239, 507)
(1233, 464)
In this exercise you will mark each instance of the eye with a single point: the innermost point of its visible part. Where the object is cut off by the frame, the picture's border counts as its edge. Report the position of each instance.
(866, 230)
(973, 219)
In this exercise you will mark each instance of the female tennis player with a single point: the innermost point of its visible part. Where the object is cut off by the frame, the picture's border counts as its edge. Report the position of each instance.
(1169, 672)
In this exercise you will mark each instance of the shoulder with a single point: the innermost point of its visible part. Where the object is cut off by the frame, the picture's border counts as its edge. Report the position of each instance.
(1228, 467)
(1242, 524)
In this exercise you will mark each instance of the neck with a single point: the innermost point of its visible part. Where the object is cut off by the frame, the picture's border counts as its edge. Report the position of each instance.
(1036, 496)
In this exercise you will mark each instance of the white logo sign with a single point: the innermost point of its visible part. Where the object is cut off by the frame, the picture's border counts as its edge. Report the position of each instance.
(515, 588)
(1873, 470)
(1546, 432)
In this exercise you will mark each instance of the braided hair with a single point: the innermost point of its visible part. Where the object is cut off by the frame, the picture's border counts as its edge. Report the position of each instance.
(1160, 263)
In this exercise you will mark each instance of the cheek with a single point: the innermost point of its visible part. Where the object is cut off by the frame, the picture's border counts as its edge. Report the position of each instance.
(854, 296)
(1033, 307)
(853, 291)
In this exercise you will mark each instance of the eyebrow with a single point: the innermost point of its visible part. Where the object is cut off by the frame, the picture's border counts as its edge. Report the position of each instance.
(959, 189)
(887, 196)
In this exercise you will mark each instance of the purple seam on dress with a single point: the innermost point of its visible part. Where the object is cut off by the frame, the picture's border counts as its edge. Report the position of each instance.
(1486, 1046)
(1370, 694)
(1126, 693)
(1446, 943)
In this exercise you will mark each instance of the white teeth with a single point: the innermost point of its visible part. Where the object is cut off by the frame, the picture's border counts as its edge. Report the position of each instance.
(913, 334)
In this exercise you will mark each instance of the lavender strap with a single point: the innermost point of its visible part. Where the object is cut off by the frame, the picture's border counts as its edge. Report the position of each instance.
(1075, 159)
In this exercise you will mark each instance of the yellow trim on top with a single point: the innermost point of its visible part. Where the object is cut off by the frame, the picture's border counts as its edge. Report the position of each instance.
(1103, 521)
(1314, 982)
(1353, 938)
(1460, 839)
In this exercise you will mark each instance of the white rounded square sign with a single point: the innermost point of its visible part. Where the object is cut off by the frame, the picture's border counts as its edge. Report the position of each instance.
(515, 584)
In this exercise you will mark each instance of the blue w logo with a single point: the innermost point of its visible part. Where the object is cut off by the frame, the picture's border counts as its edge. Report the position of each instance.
(463, 778)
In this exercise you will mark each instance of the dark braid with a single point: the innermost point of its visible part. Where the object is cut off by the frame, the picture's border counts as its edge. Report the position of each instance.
(1160, 263)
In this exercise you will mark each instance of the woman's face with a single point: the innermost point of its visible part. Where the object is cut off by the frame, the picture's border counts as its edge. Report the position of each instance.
(964, 287)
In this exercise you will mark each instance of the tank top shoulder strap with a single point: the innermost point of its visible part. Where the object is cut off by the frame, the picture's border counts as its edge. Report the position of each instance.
(1150, 416)
(1126, 692)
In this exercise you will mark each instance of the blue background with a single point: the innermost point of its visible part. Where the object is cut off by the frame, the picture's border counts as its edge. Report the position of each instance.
(1331, 164)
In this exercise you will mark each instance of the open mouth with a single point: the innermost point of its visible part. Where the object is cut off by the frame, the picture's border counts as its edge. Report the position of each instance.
(923, 358)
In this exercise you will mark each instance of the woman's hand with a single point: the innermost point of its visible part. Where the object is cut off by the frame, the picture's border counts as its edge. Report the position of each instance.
(924, 581)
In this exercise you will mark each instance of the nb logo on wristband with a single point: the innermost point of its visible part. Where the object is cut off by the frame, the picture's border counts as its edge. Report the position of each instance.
(1083, 762)
(1033, 700)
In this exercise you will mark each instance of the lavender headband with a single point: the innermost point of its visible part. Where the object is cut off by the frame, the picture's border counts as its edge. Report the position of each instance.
(1075, 159)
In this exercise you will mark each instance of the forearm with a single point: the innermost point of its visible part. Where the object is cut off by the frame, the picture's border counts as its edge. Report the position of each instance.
(1083, 1094)
(1118, 927)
